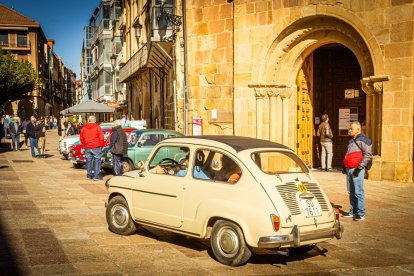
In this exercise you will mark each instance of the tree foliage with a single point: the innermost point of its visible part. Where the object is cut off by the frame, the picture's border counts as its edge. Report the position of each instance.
(16, 78)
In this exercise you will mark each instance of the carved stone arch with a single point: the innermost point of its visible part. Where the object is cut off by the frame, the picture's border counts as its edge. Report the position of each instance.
(293, 44)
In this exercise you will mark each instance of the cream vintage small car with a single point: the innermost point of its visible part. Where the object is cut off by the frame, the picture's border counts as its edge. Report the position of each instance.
(242, 193)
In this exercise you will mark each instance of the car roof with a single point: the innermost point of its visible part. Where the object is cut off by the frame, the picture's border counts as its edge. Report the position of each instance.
(238, 143)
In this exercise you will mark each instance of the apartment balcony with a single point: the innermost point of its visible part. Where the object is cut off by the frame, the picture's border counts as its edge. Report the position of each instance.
(137, 62)
(15, 45)
(150, 55)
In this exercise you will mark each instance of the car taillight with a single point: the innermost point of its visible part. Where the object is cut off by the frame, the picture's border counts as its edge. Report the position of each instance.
(275, 222)
(337, 213)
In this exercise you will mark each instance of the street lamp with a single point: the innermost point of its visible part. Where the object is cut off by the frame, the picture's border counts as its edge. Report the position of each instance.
(138, 29)
(175, 20)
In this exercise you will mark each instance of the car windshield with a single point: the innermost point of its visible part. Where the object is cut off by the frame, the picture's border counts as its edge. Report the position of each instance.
(278, 162)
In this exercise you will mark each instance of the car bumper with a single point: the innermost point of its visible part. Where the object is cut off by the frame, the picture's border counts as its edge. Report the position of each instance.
(77, 160)
(296, 238)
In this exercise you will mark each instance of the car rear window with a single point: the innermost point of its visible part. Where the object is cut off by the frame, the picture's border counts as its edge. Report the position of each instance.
(278, 162)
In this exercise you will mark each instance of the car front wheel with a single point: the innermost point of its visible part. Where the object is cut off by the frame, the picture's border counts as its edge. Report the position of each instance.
(118, 217)
(228, 244)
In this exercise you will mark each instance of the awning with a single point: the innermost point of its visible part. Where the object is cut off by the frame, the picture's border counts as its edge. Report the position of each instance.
(88, 106)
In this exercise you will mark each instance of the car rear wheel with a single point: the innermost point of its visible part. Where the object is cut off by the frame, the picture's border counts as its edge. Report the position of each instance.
(118, 217)
(78, 166)
(127, 165)
(66, 156)
(228, 244)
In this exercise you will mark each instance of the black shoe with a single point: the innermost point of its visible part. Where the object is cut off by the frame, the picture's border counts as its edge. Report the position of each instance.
(348, 215)
(359, 218)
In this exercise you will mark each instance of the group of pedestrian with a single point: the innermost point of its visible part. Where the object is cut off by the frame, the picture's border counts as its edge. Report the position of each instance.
(92, 138)
(357, 160)
(36, 132)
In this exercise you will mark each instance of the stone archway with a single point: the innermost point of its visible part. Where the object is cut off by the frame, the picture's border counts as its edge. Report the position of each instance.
(276, 78)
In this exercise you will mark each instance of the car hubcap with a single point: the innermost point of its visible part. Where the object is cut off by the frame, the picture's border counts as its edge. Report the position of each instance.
(228, 242)
(120, 216)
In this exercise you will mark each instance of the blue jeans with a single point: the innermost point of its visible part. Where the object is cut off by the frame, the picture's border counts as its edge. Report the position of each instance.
(33, 145)
(93, 155)
(15, 141)
(355, 187)
(117, 163)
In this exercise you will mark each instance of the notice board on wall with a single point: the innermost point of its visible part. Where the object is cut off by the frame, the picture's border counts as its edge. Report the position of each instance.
(197, 126)
(346, 115)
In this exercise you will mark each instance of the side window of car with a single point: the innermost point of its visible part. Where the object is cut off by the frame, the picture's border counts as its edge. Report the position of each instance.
(217, 166)
(150, 139)
(172, 160)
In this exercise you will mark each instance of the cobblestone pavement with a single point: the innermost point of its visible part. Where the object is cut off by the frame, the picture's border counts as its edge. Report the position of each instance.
(52, 221)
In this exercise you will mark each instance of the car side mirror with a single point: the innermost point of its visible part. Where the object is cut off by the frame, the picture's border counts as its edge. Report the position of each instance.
(140, 165)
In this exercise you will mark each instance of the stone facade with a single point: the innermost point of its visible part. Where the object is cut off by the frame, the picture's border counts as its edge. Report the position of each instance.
(244, 58)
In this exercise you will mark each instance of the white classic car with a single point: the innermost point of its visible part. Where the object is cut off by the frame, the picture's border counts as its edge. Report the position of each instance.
(66, 143)
(242, 193)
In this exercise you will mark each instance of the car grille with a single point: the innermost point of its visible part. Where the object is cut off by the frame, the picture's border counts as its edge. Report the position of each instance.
(288, 194)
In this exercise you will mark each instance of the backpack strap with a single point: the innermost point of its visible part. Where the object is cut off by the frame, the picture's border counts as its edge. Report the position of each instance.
(358, 146)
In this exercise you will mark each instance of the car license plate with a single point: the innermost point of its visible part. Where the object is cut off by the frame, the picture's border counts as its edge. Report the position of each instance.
(311, 207)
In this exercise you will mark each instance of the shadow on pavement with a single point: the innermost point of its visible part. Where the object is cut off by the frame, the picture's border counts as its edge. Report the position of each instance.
(8, 264)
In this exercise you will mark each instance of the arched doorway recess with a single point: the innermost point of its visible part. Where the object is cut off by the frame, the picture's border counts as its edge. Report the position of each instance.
(276, 81)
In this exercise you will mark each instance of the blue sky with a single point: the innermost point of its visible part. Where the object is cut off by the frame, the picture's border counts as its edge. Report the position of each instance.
(62, 20)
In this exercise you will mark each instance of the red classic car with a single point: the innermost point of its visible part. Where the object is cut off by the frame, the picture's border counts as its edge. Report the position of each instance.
(76, 154)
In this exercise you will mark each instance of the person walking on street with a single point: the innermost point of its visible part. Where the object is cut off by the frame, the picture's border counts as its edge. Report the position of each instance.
(325, 137)
(15, 131)
(6, 122)
(118, 146)
(91, 137)
(358, 155)
(62, 128)
(41, 134)
(70, 129)
(25, 123)
(31, 132)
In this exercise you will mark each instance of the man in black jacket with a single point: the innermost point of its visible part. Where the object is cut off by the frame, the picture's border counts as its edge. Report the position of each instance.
(31, 132)
(15, 130)
(118, 146)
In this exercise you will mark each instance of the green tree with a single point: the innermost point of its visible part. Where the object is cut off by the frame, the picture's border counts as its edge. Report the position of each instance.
(17, 78)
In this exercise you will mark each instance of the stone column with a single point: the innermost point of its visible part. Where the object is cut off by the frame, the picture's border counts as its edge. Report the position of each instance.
(373, 90)
(275, 130)
(369, 110)
(279, 116)
(260, 93)
(378, 89)
(285, 94)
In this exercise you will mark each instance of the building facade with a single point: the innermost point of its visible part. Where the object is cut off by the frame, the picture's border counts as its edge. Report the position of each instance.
(270, 69)
(148, 59)
(24, 38)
